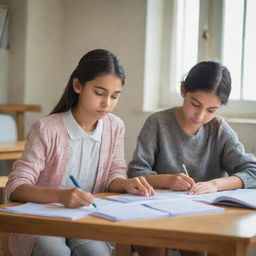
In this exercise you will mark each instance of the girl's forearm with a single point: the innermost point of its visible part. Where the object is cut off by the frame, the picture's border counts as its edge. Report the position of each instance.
(158, 181)
(117, 185)
(31, 193)
(228, 183)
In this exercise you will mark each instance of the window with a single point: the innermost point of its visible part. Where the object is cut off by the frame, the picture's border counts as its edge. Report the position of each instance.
(240, 37)
(188, 31)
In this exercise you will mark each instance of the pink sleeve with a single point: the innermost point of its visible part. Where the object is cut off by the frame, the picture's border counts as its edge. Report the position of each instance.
(118, 167)
(28, 168)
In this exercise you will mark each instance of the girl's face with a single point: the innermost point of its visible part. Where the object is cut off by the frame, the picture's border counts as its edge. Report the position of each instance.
(97, 97)
(199, 108)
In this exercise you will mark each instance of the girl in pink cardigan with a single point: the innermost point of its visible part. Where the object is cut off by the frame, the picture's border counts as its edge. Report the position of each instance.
(81, 138)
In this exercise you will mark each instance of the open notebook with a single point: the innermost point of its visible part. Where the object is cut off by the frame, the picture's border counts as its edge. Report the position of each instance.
(56, 210)
(239, 198)
(50, 210)
(106, 209)
(182, 206)
(122, 212)
(130, 207)
(117, 211)
(159, 195)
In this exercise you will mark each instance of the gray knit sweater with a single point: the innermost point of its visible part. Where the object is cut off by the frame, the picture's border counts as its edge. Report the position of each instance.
(162, 148)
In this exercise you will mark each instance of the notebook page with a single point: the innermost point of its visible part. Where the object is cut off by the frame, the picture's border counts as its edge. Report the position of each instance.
(242, 196)
(57, 210)
(124, 212)
(159, 194)
(183, 206)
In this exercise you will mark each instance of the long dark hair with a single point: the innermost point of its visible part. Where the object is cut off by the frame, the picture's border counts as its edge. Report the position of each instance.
(94, 63)
(209, 76)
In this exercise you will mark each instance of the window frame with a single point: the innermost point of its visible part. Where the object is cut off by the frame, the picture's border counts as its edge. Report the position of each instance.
(159, 94)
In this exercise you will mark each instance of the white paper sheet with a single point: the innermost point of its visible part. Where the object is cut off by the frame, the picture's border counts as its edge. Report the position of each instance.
(183, 206)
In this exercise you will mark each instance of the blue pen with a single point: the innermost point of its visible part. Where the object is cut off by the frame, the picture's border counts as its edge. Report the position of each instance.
(78, 186)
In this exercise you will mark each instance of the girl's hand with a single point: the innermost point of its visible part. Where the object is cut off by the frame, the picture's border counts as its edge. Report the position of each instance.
(179, 181)
(203, 188)
(75, 197)
(138, 186)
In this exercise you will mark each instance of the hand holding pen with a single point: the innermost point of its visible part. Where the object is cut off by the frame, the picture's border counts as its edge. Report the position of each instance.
(75, 197)
(185, 169)
(78, 186)
(191, 184)
(180, 181)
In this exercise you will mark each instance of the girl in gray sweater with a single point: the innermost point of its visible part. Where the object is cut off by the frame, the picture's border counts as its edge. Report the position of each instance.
(192, 135)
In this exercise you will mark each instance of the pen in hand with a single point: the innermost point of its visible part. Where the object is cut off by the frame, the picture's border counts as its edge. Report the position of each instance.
(185, 169)
(78, 186)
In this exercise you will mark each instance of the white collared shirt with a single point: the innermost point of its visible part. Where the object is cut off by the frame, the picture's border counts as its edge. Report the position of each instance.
(84, 150)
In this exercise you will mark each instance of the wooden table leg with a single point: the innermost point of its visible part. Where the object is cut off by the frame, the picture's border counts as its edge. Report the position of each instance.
(4, 244)
(123, 250)
(236, 250)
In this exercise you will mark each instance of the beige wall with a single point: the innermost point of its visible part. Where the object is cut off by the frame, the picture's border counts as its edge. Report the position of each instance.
(44, 55)
(48, 37)
(17, 51)
(4, 58)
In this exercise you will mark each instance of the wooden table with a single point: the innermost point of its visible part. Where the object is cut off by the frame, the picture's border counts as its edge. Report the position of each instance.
(11, 150)
(231, 233)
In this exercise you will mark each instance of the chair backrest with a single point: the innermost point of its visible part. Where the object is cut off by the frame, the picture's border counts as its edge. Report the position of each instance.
(8, 128)
(19, 115)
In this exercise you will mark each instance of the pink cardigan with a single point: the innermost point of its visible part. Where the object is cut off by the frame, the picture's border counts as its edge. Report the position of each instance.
(45, 158)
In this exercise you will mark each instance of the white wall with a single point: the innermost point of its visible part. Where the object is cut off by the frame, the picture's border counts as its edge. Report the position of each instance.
(49, 37)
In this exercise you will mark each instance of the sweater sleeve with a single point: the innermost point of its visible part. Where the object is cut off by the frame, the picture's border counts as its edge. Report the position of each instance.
(234, 158)
(144, 156)
(27, 169)
(118, 168)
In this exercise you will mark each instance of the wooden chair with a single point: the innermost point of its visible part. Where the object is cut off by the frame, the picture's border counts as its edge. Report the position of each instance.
(11, 132)
(19, 112)
(3, 181)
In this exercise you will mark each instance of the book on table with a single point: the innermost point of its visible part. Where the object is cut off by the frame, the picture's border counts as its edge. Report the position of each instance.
(245, 198)
(183, 206)
(116, 211)
(129, 207)
(237, 197)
